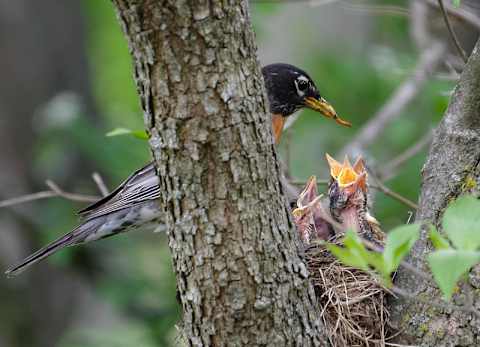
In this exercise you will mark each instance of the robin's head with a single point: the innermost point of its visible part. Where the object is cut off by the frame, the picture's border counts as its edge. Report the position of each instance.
(289, 89)
(348, 186)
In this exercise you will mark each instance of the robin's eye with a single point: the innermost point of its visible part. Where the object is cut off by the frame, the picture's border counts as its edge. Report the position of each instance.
(302, 85)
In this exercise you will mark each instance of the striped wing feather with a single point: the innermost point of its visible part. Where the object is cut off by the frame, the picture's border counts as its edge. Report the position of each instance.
(141, 186)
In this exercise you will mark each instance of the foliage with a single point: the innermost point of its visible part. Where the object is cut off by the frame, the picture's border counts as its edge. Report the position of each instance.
(354, 253)
(461, 224)
(139, 134)
(356, 73)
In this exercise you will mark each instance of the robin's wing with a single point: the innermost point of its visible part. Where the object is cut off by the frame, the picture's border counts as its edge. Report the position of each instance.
(141, 186)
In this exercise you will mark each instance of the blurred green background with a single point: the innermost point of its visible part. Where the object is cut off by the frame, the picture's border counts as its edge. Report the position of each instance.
(121, 292)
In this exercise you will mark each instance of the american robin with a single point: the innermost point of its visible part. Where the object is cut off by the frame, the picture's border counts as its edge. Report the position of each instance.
(133, 204)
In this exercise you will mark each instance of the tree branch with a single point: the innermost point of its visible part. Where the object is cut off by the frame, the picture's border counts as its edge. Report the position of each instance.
(452, 169)
(388, 170)
(54, 192)
(398, 101)
(462, 14)
(102, 187)
(453, 36)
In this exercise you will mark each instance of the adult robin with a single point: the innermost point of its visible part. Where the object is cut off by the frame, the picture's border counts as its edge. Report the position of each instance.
(133, 204)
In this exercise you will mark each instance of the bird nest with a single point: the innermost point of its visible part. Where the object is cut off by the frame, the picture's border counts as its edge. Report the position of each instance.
(352, 302)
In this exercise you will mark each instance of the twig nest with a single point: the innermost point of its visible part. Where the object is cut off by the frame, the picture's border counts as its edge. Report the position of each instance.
(352, 302)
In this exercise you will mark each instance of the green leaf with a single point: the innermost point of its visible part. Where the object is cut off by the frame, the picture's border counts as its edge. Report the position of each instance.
(448, 266)
(461, 223)
(118, 131)
(348, 257)
(399, 242)
(456, 3)
(376, 260)
(353, 242)
(438, 241)
(354, 253)
(140, 134)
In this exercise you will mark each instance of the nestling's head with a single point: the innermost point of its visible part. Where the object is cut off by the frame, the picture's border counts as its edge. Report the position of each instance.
(348, 186)
(310, 217)
(289, 89)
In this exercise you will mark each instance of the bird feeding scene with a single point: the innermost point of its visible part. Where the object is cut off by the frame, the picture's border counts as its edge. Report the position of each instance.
(243, 173)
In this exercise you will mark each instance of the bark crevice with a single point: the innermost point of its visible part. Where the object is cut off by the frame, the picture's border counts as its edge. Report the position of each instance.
(235, 252)
(452, 169)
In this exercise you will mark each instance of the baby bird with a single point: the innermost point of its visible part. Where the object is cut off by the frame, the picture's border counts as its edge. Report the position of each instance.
(348, 198)
(312, 215)
(345, 206)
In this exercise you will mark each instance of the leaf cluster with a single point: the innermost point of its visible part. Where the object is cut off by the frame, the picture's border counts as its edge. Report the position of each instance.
(454, 255)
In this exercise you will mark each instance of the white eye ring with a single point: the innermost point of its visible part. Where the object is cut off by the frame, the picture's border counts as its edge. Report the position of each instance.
(301, 85)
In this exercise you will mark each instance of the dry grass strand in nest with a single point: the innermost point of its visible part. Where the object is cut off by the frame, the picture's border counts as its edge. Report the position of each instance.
(352, 302)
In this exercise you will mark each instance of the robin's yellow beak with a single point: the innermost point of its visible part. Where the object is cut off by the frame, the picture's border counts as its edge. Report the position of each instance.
(323, 107)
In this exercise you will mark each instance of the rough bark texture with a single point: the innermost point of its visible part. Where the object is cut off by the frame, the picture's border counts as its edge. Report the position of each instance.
(239, 277)
(452, 169)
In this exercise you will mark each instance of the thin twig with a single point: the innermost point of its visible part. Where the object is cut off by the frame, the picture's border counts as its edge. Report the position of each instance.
(388, 170)
(300, 183)
(387, 191)
(410, 216)
(54, 192)
(102, 187)
(399, 345)
(370, 9)
(316, 3)
(468, 16)
(381, 10)
(29, 197)
(453, 36)
(69, 196)
(399, 100)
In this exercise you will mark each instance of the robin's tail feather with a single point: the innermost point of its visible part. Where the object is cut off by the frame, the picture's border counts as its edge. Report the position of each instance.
(74, 237)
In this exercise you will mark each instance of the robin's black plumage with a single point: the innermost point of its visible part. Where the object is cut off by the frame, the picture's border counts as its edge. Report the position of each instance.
(133, 204)
(289, 89)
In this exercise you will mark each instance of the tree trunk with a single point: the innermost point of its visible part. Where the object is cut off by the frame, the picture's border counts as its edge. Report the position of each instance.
(452, 169)
(239, 277)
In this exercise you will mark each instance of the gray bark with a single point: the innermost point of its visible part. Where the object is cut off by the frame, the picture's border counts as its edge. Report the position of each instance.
(239, 277)
(452, 169)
